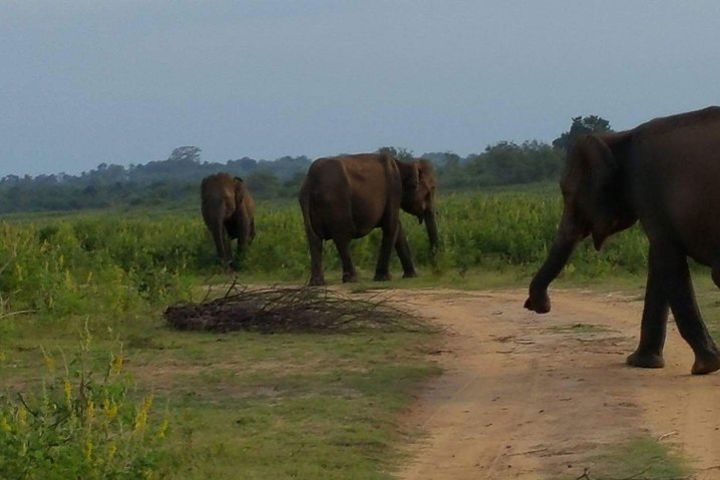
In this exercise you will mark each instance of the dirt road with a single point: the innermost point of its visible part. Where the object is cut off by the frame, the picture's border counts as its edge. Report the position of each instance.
(527, 396)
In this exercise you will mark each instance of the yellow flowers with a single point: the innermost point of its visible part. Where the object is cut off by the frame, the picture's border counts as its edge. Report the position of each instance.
(67, 388)
(112, 449)
(116, 363)
(163, 429)
(49, 361)
(88, 449)
(4, 425)
(110, 409)
(22, 416)
(142, 414)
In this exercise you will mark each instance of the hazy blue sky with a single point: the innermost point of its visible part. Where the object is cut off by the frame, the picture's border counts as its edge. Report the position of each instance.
(124, 81)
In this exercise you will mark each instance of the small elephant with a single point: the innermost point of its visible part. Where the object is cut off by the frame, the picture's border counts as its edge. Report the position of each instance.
(346, 197)
(664, 173)
(227, 206)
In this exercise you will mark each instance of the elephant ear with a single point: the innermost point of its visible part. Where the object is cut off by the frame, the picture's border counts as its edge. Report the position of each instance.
(411, 177)
(602, 168)
(426, 173)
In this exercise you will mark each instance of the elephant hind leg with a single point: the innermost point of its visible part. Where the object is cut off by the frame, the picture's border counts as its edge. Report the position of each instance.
(343, 247)
(672, 268)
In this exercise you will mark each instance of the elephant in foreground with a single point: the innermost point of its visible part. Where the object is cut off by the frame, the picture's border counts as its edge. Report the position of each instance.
(346, 197)
(666, 174)
(227, 206)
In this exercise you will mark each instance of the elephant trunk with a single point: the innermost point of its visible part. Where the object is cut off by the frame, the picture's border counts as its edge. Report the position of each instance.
(432, 231)
(565, 241)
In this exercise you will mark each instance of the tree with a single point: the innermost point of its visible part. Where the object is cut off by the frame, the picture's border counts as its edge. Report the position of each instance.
(581, 126)
(263, 183)
(186, 154)
(402, 154)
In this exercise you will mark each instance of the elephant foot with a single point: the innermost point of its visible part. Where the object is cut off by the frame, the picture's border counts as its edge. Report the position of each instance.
(316, 282)
(382, 277)
(539, 303)
(706, 363)
(645, 360)
(410, 274)
(349, 277)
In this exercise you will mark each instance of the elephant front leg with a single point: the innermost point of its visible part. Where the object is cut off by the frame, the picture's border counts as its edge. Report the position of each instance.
(222, 244)
(382, 270)
(403, 250)
(649, 353)
(240, 253)
(677, 285)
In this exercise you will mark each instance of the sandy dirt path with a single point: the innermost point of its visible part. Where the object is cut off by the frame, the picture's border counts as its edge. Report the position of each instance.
(527, 396)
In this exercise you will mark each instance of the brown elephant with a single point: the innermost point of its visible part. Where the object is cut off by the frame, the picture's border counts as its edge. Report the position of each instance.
(666, 174)
(227, 206)
(346, 197)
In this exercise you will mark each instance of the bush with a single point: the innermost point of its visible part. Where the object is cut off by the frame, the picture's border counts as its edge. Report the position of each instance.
(79, 426)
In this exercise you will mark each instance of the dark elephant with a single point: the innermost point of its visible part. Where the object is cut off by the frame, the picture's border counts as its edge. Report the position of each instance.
(227, 206)
(666, 174)
(346, 197)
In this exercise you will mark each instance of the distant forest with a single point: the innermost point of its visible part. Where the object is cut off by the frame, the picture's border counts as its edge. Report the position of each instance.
(176, 179)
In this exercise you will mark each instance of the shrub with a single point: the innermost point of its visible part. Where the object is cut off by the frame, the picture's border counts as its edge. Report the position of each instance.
(76, 425)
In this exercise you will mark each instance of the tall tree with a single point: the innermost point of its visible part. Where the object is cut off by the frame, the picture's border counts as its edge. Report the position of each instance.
(186, 154)
(581, 126)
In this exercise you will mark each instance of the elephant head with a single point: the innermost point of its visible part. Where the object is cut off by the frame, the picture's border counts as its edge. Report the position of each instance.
(595, 204)
(418, 195)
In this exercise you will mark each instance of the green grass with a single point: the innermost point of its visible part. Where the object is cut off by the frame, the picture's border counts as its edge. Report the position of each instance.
(641, 457)
(249, 405)
(273, 406)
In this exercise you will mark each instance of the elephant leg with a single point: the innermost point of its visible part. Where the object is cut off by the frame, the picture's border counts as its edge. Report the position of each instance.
(252, 232)
(221, 243)
(673, 269)
(649, 353)
(390, 230)
(317, 276)
(403, 250)
(343, 248)
(241, 251)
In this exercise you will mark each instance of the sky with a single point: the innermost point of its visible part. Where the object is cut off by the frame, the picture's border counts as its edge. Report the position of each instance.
(84, 82)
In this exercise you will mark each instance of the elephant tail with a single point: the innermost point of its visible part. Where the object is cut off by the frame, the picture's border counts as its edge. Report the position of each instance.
(305, 200)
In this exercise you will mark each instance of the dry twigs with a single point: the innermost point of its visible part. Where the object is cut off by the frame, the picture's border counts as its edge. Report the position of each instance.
(291, 309)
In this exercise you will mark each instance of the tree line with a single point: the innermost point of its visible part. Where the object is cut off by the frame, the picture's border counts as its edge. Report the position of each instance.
(176, 179)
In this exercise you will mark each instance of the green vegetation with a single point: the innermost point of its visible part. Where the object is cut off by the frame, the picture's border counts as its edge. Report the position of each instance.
(117, 264)
(246, 404)
(269, 406)
(641, 457)
(80, 425)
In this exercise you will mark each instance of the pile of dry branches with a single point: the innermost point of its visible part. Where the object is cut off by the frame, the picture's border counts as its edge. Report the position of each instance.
(290, 309)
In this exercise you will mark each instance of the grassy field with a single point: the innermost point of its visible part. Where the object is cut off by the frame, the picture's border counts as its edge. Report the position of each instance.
(249, 405)
(114, 263)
